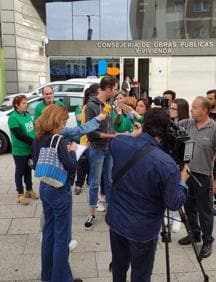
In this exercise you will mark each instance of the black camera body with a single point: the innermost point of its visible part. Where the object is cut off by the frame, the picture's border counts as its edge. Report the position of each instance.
(159, 101)
(178, 144)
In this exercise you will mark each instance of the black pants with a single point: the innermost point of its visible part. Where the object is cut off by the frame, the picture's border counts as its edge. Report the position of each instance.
(82, 170)
(139, 254)
(22, 170)
(199, 207)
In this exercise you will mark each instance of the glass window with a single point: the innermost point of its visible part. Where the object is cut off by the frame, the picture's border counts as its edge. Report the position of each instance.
(59, 21)
(86, 8)
(179, 7)
(114, 19)
(74, 103)
(200, 6)
(73, 67)
(32, 105)
(72, 88)
(82, 28)
(127, 20)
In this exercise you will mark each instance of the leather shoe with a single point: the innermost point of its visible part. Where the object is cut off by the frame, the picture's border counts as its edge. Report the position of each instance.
(205, 250)
(187, 240)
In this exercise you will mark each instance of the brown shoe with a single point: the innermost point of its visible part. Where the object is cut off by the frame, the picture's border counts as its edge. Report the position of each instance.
(22, 200)
(31, 194)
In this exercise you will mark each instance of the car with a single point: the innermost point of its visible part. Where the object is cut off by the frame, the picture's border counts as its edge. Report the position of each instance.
(70, 100)
(69, 86)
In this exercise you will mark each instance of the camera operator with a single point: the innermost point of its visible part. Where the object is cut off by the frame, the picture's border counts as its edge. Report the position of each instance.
(199, 203)
(170, 95)
(139, 197)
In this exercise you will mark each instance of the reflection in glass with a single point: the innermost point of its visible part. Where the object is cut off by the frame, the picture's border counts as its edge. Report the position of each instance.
(59, 21)
(132, 19)
(66, 68)
(82, 27)
(114, 19)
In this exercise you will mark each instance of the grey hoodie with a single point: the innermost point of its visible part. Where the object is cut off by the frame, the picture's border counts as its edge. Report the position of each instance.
(93, 108)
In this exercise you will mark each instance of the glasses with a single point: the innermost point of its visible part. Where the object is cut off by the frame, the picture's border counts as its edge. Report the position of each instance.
(174, 109)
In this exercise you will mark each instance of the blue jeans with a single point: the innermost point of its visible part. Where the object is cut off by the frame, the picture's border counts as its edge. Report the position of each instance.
(57, 207)
(22, 172)
(100, 163)
(139, 254)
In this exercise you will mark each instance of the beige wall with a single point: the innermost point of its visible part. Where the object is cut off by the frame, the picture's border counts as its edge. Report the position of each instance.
(2, 76)
(22, 33)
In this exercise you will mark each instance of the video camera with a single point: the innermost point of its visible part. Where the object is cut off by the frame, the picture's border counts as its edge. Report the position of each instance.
(178, 144)
(159, 101)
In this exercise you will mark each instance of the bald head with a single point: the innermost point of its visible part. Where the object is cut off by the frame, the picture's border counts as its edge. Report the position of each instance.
(200, 108)
(48, 95)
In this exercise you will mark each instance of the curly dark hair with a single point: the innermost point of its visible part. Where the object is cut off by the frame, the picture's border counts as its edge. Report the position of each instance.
(156, 122)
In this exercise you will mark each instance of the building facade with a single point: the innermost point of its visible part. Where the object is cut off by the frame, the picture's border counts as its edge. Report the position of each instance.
(159, 42)
(164, 44)
(23, 27)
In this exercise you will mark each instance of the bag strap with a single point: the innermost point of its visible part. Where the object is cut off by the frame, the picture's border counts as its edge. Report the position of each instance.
(137, 156)
(57, 142)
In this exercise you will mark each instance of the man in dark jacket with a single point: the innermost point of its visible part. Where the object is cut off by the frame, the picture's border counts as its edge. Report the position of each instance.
(100, 160)
(139, 197)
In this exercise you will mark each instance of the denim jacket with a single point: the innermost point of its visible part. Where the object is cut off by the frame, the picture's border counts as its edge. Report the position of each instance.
(78, 131)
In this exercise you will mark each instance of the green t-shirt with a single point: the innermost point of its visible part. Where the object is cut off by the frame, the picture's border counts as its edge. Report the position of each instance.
(77, 113)
(125, 124)
(25, 123)
(41, 106)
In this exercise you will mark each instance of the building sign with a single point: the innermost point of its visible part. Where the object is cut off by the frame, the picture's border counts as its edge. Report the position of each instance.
(152, 48)
(146, 48)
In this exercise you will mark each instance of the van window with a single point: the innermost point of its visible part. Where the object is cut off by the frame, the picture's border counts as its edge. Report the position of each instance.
(73, 88)
(74, 103)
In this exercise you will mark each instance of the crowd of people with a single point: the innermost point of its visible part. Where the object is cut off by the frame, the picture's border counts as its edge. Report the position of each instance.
(126, 171)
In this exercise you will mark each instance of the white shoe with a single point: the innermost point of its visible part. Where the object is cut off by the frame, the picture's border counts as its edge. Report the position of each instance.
(100, 207)
(176, 226)
(72, 245)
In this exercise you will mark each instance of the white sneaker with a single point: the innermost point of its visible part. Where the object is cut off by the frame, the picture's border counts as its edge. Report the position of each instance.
(176, 226)
(72, 245)
(100, 207)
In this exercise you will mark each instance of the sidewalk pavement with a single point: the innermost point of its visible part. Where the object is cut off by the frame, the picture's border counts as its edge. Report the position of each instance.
(20, 242)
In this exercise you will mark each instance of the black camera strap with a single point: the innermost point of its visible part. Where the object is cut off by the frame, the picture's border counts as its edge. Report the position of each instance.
(136, 157)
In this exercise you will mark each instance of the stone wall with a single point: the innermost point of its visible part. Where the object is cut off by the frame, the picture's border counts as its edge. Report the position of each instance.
(2, 77)
(22, 34)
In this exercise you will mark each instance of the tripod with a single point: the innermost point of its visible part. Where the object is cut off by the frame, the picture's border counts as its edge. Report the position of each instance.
(166, 238)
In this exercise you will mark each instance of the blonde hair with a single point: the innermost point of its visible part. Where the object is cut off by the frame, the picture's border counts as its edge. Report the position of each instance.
(51, 120)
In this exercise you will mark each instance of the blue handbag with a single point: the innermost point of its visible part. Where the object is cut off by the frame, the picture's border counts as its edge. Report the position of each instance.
(49, 169)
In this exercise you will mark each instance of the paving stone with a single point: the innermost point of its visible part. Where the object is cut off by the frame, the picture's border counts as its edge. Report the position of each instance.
(83, 265)
(20, 267)
(8, 199)
(107, 279)
(4, 187)
(24, 226)
(33, 244)
(103, 260)
(4, 225)
(92, 241)
(80, 209)
(179, 261)
(38, 209)
(12, 244)
(17, 211)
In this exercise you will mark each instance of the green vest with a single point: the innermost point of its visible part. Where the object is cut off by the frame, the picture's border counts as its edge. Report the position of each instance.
(25, 123)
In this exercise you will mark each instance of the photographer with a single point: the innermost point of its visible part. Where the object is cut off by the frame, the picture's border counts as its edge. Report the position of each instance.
(199, 205)
(140, 195)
